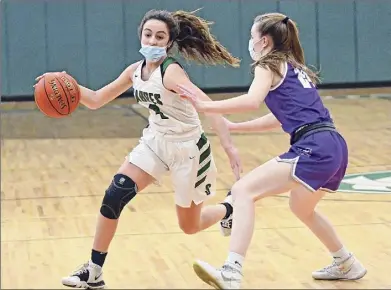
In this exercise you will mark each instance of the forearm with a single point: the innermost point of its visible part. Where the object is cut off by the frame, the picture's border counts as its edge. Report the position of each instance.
(96, 99)
(88, 98)
(265, 123)
(218, 124)
(243, 103)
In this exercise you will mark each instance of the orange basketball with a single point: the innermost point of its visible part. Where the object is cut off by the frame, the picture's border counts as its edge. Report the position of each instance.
(57, 95)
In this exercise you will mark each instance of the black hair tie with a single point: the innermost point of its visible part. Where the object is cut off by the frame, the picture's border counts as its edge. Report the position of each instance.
(285, 21)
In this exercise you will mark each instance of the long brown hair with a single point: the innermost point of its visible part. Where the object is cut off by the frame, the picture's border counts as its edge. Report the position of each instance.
(192, 38)
(287, 47)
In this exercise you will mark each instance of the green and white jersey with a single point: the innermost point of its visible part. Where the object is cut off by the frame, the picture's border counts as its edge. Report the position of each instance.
(172, 116)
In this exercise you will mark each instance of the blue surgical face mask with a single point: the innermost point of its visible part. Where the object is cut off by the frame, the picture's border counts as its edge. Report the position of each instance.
(152, 53)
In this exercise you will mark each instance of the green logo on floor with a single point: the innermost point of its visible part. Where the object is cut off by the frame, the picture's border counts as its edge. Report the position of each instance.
(371, 182)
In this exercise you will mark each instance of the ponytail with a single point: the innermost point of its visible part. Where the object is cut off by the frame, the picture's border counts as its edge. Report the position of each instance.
(296, 55)
(295, 45)
(195, 41)
(287, 47)
(192, 37)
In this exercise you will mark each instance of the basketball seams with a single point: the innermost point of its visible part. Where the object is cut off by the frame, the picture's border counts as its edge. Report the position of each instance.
(47, 96)
(54, 92)
(76, 86)
(66, 97)
(38, 100)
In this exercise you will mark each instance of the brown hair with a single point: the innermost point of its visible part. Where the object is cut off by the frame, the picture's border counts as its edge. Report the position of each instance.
(192, 37)
(285, 35)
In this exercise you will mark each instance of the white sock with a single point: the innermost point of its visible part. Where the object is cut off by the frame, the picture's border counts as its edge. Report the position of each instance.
(341, 255)
(235, 259)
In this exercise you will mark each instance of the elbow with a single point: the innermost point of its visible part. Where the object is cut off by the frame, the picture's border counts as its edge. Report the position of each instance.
(253, 105)
(93, 106)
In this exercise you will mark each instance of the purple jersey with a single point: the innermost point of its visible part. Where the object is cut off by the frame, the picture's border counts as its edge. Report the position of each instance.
(295, 101)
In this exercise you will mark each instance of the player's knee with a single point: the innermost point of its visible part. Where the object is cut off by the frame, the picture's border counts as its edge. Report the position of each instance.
(237, 191)
(189, 226)
(121, 190)
(300, 208)
(241, 193)
(189, 229)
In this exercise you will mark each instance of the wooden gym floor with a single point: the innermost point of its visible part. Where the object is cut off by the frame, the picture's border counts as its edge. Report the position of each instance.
(54, 173)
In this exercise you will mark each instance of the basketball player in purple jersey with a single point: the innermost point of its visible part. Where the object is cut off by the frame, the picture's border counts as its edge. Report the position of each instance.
(314, 164)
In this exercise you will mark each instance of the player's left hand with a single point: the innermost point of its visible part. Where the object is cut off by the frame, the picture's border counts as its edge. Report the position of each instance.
(234, 159)
(188, 94)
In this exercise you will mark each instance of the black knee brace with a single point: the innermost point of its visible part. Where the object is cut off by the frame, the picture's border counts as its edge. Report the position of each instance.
(121, 190)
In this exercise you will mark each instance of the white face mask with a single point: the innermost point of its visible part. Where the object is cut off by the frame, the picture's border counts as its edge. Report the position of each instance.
(254, 55)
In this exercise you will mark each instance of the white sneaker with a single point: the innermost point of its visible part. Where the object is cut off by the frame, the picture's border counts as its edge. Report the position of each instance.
(350, 269)
(228, 277)
(226, 224)
(88, 276)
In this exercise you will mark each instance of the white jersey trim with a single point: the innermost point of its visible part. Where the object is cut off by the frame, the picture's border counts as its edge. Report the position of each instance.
(283, 78)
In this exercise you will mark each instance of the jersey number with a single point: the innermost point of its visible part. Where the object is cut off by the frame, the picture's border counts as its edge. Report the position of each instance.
(303, 78)
(157, 111)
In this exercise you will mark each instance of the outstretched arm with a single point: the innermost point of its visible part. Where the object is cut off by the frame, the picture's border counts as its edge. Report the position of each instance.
(262, 124)
(248, 102)
(96, 99)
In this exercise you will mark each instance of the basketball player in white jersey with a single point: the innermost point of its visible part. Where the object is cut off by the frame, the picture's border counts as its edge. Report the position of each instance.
(173, 142)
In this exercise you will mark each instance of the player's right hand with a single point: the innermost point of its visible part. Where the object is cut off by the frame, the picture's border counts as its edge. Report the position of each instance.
(43, 75)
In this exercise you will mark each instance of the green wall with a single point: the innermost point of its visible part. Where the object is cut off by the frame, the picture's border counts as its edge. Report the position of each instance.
(350, 41)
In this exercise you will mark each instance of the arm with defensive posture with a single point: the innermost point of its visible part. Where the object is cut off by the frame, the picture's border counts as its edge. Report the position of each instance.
(248, 102)
(176, 75)
(262, 124)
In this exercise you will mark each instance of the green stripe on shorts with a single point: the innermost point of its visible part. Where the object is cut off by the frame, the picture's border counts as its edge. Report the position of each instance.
(205, 159)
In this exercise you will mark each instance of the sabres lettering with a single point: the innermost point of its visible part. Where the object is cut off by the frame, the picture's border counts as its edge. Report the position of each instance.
(153, 99)
(148, 97)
